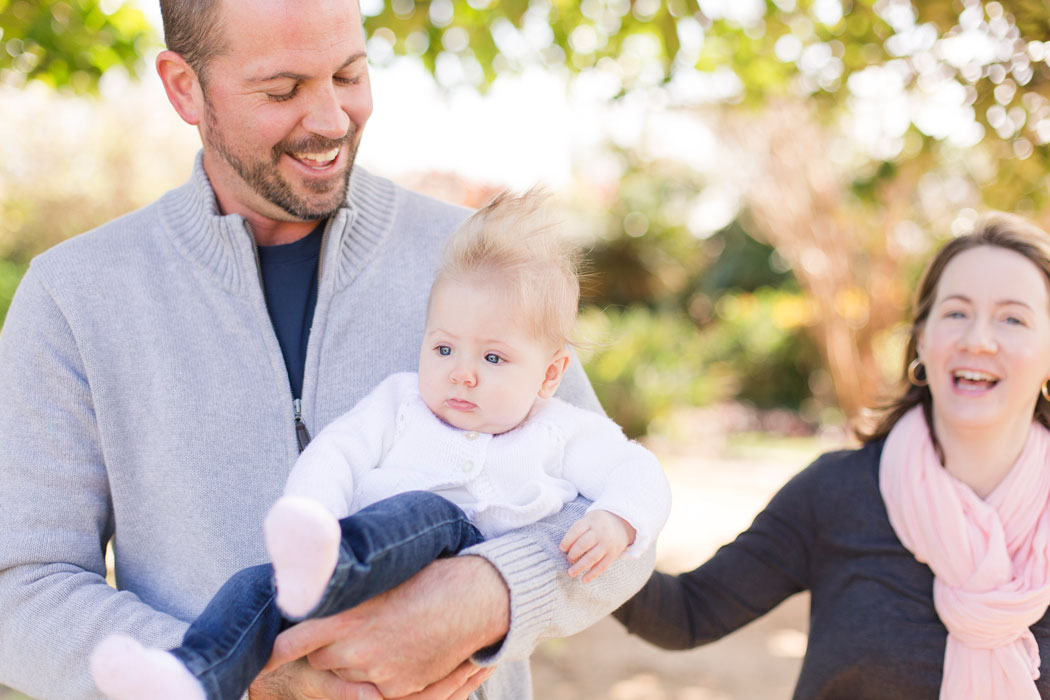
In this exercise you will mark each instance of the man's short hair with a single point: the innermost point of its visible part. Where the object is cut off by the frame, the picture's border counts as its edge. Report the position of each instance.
(193, 29)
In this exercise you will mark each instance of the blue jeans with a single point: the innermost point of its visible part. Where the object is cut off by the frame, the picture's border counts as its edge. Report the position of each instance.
(382, 546)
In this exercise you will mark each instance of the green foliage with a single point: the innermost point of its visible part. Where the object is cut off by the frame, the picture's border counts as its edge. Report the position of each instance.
(10, 275)
(643, 364)
(674, 320)
(69, 43)
(791, 48)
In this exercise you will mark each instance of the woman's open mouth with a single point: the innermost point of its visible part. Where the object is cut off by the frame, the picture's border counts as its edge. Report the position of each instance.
(973, 380)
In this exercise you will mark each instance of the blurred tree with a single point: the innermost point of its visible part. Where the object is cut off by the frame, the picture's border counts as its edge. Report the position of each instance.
(69, 43)
(676, 319)
(841, 107)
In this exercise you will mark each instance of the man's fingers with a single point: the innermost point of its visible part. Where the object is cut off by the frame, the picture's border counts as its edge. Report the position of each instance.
(298, 641)
(458, 685)
(473, 684)
(334, 688)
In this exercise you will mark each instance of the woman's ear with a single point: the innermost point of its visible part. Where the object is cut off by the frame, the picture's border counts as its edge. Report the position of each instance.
(555, 371)
(182, 85)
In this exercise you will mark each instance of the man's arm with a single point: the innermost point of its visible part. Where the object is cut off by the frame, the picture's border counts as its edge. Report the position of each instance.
(495, 606)
(410, 637)
(55, 512)
(545, 602)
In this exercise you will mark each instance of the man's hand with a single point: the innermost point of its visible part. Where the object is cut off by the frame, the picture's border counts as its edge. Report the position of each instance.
(594, 542)
(298, 681)
(410, 637)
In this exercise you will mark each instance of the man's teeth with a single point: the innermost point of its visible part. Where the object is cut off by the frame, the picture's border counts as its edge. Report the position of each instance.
(318, 157)
(973, 376)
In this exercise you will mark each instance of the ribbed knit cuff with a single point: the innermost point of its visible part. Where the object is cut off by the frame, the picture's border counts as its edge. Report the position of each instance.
(531, 577)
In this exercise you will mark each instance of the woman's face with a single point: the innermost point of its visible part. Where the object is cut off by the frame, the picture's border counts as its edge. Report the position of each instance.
(986, 342)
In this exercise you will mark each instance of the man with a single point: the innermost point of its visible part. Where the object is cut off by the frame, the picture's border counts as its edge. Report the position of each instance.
(157, 376)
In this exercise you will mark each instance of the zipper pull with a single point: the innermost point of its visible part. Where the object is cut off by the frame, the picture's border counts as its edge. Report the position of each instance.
(301, 433)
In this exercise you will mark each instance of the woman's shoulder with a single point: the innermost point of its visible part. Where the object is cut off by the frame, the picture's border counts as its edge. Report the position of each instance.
(857, 459)
(835, 477)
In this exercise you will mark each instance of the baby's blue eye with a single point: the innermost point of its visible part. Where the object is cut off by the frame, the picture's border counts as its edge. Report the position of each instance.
(493, 358)
(444, 350)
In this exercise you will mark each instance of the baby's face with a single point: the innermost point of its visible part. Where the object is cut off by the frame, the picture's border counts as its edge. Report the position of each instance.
(479, 367)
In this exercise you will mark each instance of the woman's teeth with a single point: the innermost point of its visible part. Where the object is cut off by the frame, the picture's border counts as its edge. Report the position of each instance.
(973, 379)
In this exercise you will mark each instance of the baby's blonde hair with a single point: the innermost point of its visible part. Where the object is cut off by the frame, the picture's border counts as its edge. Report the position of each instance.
(514, 240)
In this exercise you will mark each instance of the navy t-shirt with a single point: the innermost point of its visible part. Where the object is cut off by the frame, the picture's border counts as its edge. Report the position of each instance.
(289, 277)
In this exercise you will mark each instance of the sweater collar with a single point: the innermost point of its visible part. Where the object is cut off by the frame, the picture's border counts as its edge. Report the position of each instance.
(222, 245)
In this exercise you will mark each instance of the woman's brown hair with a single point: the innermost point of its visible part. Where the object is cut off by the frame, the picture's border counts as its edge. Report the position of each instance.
(997, 229)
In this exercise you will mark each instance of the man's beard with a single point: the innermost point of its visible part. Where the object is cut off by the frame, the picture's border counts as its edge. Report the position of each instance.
(265, 179)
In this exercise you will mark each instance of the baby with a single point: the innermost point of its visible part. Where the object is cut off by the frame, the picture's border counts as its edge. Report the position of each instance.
(429, 463)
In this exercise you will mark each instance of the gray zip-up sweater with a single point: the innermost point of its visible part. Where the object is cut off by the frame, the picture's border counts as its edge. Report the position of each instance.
(146, 399)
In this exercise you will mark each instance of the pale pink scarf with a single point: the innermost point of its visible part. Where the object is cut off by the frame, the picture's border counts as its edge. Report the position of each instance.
(989, 557)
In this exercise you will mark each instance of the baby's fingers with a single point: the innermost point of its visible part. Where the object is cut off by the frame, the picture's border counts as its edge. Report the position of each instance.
(587, 562)
(598, 568)
(583, 544)
(578, 528)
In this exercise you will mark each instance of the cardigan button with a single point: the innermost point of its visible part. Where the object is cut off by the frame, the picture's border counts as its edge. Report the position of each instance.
(466, 465)
(472, 435)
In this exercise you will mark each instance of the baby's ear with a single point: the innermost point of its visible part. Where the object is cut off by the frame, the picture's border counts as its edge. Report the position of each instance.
(555, 371)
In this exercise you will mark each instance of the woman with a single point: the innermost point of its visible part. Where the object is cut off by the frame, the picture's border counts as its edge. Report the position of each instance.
(927, 550)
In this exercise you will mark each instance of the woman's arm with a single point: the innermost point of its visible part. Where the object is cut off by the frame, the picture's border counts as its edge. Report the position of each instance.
(744, 580)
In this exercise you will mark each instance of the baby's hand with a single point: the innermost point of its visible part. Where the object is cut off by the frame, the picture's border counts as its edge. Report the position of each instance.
(594, 542)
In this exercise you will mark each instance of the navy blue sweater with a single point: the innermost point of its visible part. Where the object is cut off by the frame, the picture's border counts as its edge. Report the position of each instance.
(289, 277)
(873, 630)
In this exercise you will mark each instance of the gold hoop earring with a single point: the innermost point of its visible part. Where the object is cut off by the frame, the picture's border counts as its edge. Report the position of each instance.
(913, 371)
(1045, 390)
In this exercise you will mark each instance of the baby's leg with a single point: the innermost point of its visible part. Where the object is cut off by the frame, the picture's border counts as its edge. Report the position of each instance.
(303, 541)
(388, 542)
(221, 653)
(125, 670)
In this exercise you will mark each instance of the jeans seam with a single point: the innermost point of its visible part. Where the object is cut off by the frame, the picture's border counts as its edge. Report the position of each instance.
(240, 636)
(417, 535)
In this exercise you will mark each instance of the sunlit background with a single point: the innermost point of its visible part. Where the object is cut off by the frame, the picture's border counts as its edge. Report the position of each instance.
(757, 183)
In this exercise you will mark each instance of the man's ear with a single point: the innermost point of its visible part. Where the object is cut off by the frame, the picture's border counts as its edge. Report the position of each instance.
(555, 371)
(181, 84)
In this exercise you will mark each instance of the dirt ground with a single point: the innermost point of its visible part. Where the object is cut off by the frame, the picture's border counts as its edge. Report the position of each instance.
(716, 491)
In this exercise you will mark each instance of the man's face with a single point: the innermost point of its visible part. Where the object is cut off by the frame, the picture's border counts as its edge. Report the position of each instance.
(284, 107)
